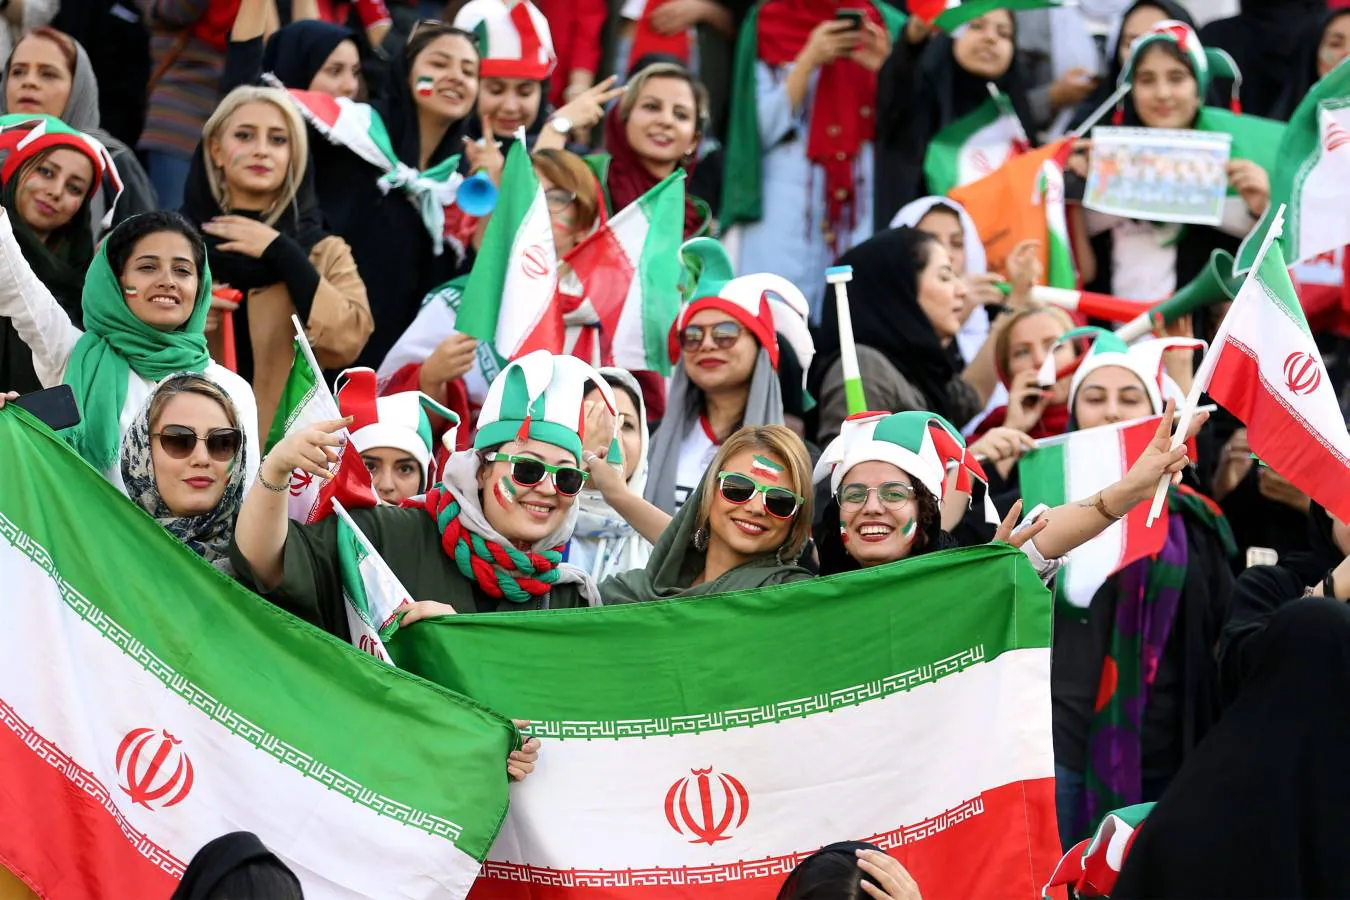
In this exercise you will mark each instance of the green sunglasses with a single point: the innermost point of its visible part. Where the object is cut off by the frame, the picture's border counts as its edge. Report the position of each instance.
(527, 471)
(779, 502)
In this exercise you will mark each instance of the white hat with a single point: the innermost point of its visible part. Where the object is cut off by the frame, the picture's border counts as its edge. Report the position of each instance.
(901, 439)
(1144, 359)
(513, 38)
(540, 396)
(398, 421)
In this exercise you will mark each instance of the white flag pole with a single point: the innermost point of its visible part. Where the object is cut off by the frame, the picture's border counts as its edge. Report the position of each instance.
(1201, 382)
(1116, 96)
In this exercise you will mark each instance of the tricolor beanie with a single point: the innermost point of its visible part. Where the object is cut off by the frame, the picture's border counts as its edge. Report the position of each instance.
(513, 38)
(540, 396)
(750, 300)
(398, 421)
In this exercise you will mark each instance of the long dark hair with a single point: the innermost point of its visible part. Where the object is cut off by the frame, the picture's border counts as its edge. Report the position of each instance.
(125, 237)
(831, 873)
(834, 558)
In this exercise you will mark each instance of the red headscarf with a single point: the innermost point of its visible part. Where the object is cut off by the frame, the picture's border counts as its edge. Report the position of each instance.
(629, 179)
(843, 113)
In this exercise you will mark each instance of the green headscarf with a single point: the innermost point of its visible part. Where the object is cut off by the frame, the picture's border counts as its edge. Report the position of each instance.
(116, 342)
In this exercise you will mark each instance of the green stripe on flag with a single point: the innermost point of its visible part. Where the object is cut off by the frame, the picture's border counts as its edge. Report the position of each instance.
(1254, 138)
(1273, 281)
(659, 268)
(295, 396)
(481, 303)
(1042, 476)
(739, 659)
(942, 160)
(951, 19)
(394, 745)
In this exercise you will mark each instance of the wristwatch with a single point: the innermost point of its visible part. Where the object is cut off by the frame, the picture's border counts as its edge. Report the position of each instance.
(560, 124)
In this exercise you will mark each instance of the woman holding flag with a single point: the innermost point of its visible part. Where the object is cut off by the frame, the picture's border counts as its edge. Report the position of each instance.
(145, 302)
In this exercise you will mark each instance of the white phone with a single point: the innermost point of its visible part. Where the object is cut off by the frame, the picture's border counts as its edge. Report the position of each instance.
(1261, 556)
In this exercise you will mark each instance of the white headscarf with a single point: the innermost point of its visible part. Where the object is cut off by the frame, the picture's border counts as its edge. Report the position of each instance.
(603, 544)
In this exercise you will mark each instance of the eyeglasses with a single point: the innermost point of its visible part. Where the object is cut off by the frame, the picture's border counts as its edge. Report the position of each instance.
(559, 199)
(178, 441)
(527, 471)
(892, 494)
(737, 489)
(724, 335)
(440, 26)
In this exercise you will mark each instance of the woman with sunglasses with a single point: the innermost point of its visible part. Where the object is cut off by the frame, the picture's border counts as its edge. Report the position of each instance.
(145, 301)
(182, 462)
(726, 345)
(488, 537)
(743, 527)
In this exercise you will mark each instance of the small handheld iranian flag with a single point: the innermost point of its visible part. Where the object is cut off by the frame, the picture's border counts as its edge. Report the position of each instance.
(1311, 177)
(510, 299)
(711, 779)
(974, 145)
(630, 270)
(359, 128)
(305, 402)
(1060, 271)
(372, 591)
(1264, 367)
(1078, 465)
(133, 732)
(1091, 867)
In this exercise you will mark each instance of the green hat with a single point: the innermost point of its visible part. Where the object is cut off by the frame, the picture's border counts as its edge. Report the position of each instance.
(540, 396)
(1206, 63)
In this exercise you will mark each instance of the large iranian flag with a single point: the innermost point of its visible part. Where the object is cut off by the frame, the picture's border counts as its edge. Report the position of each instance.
(630, 270)
(698, 749)
(153, 704)
(974, 146)
(1311, 177)
(509, 300)
(1264, 367)
(1078, 465)
(1009, 207)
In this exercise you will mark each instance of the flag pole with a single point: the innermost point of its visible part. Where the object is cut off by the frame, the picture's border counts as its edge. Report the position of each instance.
(1116, 96)
(320, 383)
(840, 276)
(1201, 382)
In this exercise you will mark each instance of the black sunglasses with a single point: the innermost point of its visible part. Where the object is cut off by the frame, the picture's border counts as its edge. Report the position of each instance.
(178, 441)
(527, 471)
(724, 335)
(736, 488)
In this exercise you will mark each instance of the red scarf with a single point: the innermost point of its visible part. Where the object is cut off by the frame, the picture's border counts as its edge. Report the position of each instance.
(843, 112)
(628, 178)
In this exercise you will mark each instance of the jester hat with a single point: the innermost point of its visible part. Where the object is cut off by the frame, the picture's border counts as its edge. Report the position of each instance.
(24, 136)
(750, 300)
(399, 421)
(1206, 63)
(901, 439)
(1144, 359)
(513, 38)
(540, 396)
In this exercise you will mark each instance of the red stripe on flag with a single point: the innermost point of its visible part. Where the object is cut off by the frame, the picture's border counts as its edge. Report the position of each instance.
(605, 273)
(64, 834)
(1283, 439)
(1140, 540)
(1001, 844)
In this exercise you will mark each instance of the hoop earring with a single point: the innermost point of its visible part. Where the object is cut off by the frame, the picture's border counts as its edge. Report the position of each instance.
(700, 539)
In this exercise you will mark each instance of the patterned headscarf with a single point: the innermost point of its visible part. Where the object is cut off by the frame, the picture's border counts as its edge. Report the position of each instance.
(208, 535)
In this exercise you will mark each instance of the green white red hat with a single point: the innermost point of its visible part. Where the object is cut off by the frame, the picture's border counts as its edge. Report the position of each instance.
(514, 40)
(24, 136)
(901, 439)
(1206, 62)
(1144, 359)
(540, 396)
(399, 421)
(751, 300)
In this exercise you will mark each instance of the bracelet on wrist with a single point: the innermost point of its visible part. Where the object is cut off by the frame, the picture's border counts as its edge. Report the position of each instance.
(274, 488)
(1100, 506)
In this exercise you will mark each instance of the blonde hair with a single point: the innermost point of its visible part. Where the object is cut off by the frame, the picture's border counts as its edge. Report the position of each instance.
(1003, 341)
(189, 383)
(666, 70)
(570, 172)
(782, 442)
(299, 143)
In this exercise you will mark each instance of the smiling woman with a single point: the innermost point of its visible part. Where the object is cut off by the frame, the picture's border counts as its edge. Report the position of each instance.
(251, 191)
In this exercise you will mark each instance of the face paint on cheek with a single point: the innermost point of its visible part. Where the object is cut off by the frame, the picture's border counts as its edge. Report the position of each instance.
(425, 86)
(130, 293)
(843, 531)
(910, 527)
(505, 492)
(766, 468)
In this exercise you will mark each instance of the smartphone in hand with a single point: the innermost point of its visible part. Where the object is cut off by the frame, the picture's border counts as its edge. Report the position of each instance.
(55, 406)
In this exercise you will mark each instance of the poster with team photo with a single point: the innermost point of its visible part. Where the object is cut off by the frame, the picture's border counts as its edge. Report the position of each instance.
(1158, 175)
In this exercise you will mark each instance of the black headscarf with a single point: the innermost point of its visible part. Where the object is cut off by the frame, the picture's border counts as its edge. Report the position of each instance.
(1258, 810)
(300, 222)
(1304, 73)
(884, 306)
(1107, 85)
(829, 873)
(922, 90)
(224, 856)
(296, 52)
(1264, 40)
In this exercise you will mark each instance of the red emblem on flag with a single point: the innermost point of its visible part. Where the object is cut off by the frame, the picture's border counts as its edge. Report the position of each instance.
(534, 262)
(1302, 373)
(300, 482)
(154, 770)
(1335, 137)
(720, 806)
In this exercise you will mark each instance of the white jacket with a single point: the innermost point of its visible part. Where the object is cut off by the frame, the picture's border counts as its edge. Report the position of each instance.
(47, 330)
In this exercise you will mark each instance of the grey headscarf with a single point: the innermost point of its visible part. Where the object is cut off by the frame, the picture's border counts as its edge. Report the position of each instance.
(208, 535)
(764, 406)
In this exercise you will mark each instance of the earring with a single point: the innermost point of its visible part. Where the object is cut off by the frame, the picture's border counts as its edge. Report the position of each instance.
(779, 556)
(700, 540)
